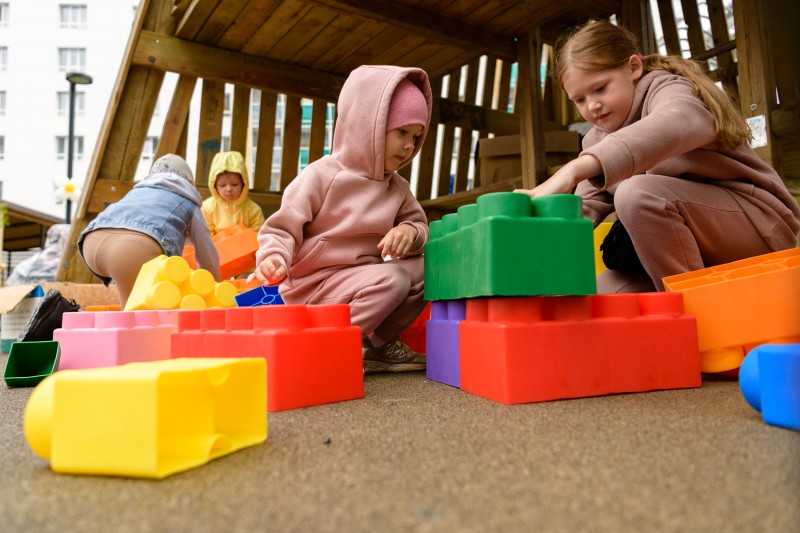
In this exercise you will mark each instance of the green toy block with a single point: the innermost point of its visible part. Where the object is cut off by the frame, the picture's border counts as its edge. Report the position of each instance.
(29, 363)
(508, 244)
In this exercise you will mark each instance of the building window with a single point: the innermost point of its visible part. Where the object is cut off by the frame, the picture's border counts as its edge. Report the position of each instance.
(2, 102)
(63, 102)
(2, 147)
(72, 16)
(62, 146)
(3, 57)
(149, 150)
(71, 59)
(4, 14)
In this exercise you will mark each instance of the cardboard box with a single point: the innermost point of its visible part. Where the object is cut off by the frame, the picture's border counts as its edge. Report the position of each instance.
(17, 304)
(501, 159)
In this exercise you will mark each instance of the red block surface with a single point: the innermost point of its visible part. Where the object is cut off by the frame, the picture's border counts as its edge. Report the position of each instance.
(531, 349)
(313, 353)
(414, 335)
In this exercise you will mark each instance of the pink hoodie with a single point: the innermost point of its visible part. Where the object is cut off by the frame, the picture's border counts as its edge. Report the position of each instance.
(334, 214)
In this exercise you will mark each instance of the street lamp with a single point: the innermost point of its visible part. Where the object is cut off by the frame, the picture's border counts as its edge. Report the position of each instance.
(74, 78)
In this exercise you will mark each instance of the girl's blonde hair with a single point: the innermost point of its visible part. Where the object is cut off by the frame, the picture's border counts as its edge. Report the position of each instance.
(600, 45)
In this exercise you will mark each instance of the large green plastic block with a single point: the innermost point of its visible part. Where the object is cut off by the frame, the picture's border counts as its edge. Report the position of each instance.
(507, 244)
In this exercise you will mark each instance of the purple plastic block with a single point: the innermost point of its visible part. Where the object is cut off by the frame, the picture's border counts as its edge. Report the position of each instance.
(442, 341)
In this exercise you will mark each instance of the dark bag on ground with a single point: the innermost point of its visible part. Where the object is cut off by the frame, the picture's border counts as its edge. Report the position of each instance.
(46, 318)
(618, 251)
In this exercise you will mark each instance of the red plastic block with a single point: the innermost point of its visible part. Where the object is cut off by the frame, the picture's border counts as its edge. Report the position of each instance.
(741, 305)
(110, 338)
(532, 349)
(313, 353)
(236, 246)
(414, 335)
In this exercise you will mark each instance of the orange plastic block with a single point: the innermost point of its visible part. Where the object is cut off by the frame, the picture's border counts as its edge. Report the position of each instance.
(313, 353)
(169, 283)
(236, 246)
(741, 305)
(531, 349)
(100, 308)
(147, 420)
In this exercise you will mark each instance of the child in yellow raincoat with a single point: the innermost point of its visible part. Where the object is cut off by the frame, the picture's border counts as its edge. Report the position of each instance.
(228, 204)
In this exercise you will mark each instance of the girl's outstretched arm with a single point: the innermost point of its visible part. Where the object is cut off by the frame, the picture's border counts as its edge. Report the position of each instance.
(567, 177)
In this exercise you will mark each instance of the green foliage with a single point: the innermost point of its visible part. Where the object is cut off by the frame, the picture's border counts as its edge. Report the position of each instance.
(4, 215)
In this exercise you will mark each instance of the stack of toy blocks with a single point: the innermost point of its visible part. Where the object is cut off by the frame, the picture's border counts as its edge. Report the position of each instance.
(169, 283)
(517, 319)
(147, 419)
(741, 305)
(236, 246)
(313, 353)
(110, 338)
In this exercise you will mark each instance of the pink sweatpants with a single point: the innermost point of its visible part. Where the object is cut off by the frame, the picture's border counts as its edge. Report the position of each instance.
(119, 254)
(678, 225)
(384, 298)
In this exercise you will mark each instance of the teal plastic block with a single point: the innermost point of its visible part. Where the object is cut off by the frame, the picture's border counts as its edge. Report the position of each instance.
(29, 363)
(507, 244)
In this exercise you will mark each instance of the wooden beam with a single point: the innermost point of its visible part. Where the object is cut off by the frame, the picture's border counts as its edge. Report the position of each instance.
(290, 147)
(170, 54)
(756, 70)
(240, 121)
(427, 24)
(266, 140)
(467, 116)
(319, 119)
(106, 192)
(177, 117)
(534, 168)
(209, 137)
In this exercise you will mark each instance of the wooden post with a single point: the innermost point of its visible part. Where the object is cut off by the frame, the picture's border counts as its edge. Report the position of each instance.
(531, 115)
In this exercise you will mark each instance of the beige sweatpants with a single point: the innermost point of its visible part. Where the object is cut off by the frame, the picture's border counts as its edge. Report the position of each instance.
(678, 225)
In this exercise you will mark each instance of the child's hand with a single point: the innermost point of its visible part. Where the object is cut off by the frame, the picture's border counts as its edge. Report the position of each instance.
(270, 272)
(567, 177)
(398, 241)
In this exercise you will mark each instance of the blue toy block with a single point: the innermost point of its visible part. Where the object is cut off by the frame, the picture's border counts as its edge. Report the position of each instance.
(259, 296)
(770, 381)
(507, 244)
(442, 341)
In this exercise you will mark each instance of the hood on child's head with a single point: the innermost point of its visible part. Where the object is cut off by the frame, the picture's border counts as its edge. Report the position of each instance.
(172, 164)
(363, 114)
(228, 162)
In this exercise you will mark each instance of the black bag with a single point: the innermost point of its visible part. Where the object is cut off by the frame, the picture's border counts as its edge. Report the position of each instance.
(46, 318)
(618, 251)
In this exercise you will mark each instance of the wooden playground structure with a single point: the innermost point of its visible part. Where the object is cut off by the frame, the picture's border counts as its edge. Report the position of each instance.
(304, 49)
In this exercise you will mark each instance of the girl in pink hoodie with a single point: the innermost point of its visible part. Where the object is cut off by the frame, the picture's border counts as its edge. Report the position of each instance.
(669, 153)
(349, 211)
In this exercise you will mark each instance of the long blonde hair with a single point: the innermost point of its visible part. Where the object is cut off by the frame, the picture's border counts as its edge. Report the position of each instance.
(601, 45)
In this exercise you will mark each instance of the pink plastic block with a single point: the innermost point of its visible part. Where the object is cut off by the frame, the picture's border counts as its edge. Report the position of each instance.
(109, 338)
(313, 353)
(532, 349)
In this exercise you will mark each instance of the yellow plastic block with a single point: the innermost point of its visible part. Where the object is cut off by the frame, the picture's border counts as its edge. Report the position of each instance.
(156, 285)
(147, 419)
(170, 283)
(600, 233)
(223, 295)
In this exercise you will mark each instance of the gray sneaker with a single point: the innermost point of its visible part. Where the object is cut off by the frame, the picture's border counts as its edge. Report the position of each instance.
(391, 357)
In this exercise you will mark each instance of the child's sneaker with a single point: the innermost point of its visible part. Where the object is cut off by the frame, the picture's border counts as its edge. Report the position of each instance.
(391, 357)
